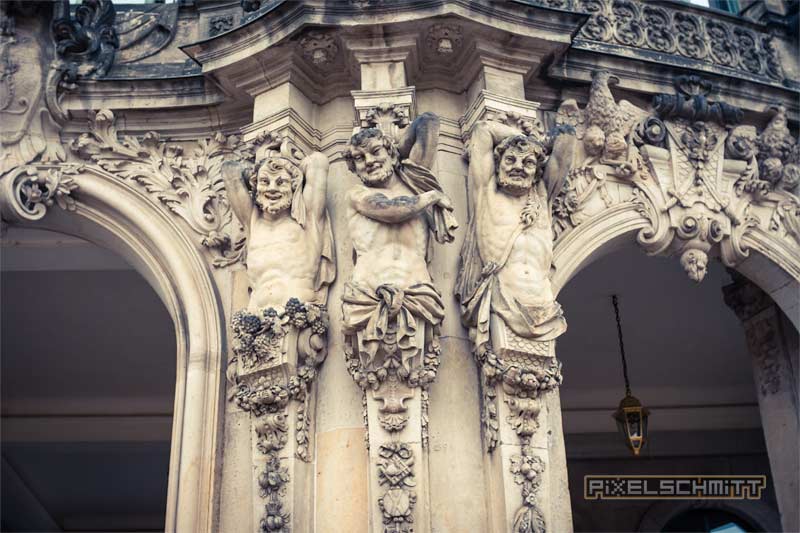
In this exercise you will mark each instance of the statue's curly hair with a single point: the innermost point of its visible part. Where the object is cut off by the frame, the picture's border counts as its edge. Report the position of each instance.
(274, 165)
(525, 144)
(361, 138)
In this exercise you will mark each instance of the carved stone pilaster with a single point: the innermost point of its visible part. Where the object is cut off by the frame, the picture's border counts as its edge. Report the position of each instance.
(770, 340)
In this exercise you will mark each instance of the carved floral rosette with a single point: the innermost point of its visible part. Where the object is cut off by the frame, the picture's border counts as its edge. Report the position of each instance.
(276, 356)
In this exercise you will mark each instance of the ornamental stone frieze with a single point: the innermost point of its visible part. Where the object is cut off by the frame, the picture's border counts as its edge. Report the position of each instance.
(280, 339)
(677, 36)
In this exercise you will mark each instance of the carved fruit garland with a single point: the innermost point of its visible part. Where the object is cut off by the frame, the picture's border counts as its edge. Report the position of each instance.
(188, 183)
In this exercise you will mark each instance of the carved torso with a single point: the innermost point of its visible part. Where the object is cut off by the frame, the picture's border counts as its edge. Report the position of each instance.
(526, 272)
(389, 253)
(282, 260)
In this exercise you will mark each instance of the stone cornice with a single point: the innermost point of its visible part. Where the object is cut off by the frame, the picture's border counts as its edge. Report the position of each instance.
(284, 18)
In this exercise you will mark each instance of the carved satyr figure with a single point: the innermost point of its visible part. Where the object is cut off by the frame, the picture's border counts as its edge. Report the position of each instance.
(391, 308)
(506, 259)
(289, 241)
(280, 339)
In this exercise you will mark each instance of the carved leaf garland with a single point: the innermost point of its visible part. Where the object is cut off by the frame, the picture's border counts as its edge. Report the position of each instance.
(188, 181)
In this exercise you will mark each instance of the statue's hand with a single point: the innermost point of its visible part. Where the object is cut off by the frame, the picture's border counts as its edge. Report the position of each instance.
(444, 201)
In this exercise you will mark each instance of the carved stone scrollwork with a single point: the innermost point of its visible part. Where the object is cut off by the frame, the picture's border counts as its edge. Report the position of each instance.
(188, 183)
(643, 25)
(27, 192)
(220, 24)
(29, 132)
(389, 118)
(86, 44)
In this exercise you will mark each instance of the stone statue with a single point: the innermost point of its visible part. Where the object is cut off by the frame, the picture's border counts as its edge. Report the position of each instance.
(391, 308)
(506, 259)
(289, 240)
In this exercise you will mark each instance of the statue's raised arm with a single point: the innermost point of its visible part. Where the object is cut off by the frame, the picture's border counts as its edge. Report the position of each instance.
(420, 140)
(315, 169)
(239, 196)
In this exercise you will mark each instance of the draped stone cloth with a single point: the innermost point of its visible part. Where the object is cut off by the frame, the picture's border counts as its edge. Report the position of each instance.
(481, 293)
(367, 315)
(442, 222)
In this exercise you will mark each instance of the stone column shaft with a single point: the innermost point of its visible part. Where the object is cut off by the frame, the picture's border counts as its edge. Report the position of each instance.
(773, 344)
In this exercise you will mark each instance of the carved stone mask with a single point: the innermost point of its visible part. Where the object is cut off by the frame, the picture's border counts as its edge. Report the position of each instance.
(516, 170)
(695, 263)
(373, 163)
(274, 188)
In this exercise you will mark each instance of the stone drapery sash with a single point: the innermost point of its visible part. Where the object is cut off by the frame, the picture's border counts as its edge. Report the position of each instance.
(367, 315)
(542, 323)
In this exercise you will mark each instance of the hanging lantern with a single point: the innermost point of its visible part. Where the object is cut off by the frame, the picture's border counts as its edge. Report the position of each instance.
(631, 420)
(631, 416)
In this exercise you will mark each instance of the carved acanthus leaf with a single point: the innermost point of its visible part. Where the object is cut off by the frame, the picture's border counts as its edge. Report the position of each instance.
(188, 183)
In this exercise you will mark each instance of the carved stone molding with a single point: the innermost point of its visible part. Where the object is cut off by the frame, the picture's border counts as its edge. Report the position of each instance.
(187, 182)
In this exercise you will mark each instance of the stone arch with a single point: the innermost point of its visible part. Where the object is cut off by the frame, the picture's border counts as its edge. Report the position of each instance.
(770, 265)
(753, 511)
(118, 216)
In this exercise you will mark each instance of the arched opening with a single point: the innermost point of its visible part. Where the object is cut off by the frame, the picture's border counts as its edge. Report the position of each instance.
(688, 362)
(88, 388)
(120, 217)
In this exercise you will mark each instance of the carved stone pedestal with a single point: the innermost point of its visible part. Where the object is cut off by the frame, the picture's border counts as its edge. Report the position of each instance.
(395, 381)
(277, 353)
(521, 416)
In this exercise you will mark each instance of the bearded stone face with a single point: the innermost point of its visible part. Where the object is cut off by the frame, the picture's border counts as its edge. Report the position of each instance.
(516, 170)
(273, 189)
(373, 163)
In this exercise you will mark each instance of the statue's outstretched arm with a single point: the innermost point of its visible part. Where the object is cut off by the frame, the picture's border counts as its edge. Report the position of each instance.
(315, 169)
(238, 195)
(420, 140)
(378, 206)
